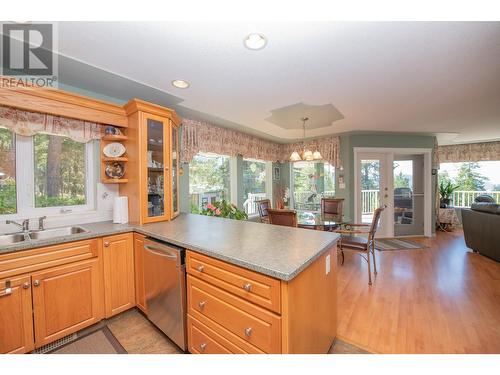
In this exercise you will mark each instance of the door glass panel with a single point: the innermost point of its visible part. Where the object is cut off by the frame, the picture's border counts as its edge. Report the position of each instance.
(370, 188)
(156, 168)
(408, 195)
(174, 169)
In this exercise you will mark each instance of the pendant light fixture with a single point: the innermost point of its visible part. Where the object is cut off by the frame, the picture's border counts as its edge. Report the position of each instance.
(306, 154)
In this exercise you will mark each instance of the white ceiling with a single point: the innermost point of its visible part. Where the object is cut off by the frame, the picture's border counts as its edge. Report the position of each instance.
(441, 77)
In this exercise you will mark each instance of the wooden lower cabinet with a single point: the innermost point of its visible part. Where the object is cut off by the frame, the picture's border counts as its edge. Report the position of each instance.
(226, 308)
(119, 283)
(140, 292)
(66, 299)
(16, 320)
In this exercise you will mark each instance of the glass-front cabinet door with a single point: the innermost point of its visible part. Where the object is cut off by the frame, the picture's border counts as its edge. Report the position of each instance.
(174, 167)
(157, 162)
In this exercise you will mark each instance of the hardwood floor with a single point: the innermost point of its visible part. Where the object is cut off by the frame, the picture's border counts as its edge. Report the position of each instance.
(442, 299)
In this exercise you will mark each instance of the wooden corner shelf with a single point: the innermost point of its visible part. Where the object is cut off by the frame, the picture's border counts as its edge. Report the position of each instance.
(110, 137)
(114, 180)
(108, 160)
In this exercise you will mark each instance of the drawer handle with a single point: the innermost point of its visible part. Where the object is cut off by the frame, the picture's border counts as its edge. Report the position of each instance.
(36, 282)
(247, 287)
(202, 304)
(201, 268)
(203, 347)
(248, 331)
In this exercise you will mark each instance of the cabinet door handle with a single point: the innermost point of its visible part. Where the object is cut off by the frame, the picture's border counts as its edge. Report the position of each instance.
(106, 244)
(26, 285)
(248, 331)
(202, 304)
(36, 283)
(247, 287)
(203, 346)
(201, 268)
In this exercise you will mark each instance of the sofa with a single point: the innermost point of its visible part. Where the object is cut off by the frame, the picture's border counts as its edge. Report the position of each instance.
(481, 224)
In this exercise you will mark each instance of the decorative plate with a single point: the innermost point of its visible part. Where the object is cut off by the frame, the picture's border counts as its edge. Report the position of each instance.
(114, 150)
(114, 170)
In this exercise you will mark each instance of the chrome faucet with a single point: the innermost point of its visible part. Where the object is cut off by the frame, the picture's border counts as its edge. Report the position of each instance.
(40, 222)
(25, 226)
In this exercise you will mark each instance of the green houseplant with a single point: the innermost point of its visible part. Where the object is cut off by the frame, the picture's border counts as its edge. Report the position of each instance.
(224, 209)
(446, 189)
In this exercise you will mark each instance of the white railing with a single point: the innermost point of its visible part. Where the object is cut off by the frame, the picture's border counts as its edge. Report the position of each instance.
(464, 198)
(250, 206)
(370, 200)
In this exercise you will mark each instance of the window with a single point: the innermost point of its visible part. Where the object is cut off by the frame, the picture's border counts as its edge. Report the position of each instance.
(208, 180)
(60, 172)
(8, 201)
(472, 179)
(311, 182)
(44, 174)
(254, 184)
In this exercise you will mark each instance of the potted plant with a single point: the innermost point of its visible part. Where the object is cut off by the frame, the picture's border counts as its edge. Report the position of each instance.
(446, 189)
(224, 209)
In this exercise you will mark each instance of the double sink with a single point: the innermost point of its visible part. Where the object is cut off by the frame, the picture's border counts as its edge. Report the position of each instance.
(10, 239)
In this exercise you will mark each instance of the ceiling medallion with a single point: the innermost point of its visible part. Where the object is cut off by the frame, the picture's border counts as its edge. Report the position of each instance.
(305, 154)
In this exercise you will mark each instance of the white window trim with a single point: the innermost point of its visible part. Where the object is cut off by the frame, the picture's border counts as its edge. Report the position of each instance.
(25, 183)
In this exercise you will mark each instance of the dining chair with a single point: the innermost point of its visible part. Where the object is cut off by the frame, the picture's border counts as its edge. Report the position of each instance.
(364, 246)
(262, 206)
(332, 209)
(282, 217)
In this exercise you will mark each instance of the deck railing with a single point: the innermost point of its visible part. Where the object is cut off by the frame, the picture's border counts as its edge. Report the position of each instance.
(464, 198)
(370, 200)
(249, 205)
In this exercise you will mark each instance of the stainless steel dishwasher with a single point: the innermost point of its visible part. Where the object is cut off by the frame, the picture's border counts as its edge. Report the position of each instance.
(165, 285)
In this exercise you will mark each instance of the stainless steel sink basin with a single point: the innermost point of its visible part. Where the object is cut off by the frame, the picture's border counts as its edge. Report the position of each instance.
(56, 232)
(9, 239)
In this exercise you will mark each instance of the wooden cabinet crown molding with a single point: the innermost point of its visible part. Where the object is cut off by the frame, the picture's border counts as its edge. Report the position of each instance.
(136, 105)
(63, 103)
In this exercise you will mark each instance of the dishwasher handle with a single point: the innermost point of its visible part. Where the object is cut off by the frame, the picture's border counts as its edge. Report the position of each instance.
(160, 252)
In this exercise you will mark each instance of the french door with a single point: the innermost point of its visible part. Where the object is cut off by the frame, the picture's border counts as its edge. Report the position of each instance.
(398, 180)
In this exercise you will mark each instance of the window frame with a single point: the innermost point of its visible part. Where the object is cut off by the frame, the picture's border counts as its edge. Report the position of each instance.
(25, 183)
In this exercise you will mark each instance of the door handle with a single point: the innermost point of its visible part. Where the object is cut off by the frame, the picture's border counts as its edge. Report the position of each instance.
(160, 252)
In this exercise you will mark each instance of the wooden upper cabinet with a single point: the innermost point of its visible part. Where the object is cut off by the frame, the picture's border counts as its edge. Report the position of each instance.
(153, 153)
(119, 290)
(66, 299)
(16, 320)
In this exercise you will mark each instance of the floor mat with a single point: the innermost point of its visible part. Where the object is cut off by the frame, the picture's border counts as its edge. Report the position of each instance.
(101, 341)
(384, 244)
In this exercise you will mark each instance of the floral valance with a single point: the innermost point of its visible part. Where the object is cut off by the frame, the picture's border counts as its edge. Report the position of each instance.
(198, 136)
(470, 152)
(28, 123)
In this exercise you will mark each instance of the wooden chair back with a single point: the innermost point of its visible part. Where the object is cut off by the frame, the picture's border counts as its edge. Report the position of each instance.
(332, 208)
(375, 222)
(262, 206)
(283, 217)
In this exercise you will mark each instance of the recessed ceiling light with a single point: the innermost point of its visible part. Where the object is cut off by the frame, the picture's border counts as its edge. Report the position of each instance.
(180, 83)
(255, 41)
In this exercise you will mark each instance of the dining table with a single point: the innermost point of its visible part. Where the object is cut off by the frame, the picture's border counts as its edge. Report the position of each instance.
(316, 220)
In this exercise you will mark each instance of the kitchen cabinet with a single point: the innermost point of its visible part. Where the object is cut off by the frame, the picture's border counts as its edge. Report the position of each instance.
(140, 292)
(152, 148)
(119, 283)
(66, 299)
(16, 321)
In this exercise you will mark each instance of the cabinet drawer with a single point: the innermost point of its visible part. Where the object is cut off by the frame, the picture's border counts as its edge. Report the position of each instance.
(25, 261)
(254, 287)
(251, 323)
(202, 340)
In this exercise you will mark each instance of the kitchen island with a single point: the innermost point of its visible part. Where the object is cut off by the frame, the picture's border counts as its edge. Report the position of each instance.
(251, 287)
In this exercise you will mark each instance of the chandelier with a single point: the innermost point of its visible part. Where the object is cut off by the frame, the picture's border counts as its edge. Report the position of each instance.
(305, 154)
